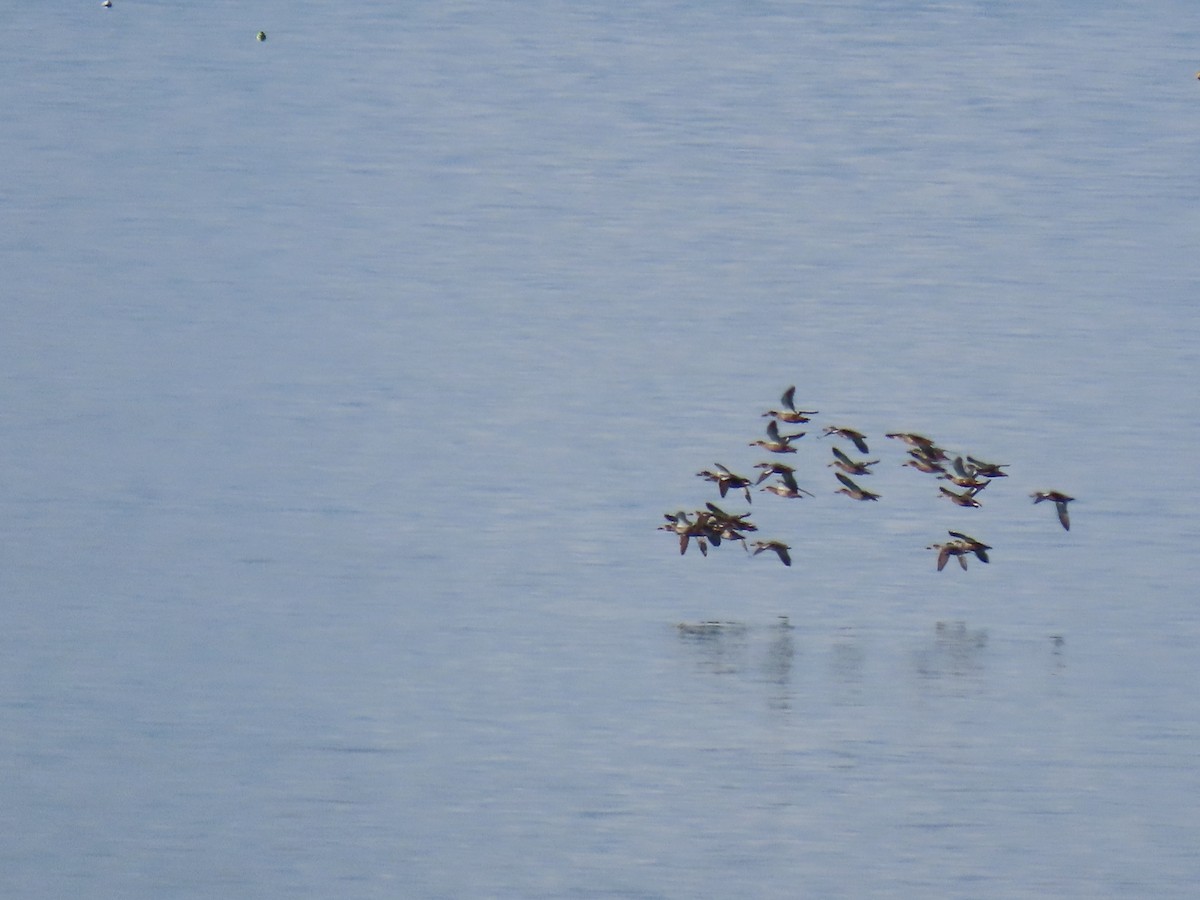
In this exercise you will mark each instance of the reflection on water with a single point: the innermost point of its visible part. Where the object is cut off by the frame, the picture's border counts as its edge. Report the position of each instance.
(954, 657)
(710, 629)
(720, 646)
(729, 648)
(777, 665)
(1056, 642)
(956, 652)
(846, 661)
(780, 650)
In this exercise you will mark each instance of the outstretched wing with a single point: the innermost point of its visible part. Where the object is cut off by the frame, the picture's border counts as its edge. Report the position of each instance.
(1063, 517)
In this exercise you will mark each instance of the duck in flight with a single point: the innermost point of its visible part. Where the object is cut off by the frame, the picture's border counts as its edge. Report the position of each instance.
(680, 524)
(924, 463)
(724, 526)
(857, 438)
(964, 476)
(1060, 501)
(773, 468)
(979, 548)
(850, 466)
(987, 469)
(779, 548)
(853, 490)
(789, 413)
(776, 442)
(966, 498)
(957, 549)
(914, 440)
(726, 480)
(788, 488)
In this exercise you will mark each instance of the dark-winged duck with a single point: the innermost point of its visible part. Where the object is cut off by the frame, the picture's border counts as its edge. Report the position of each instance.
(857, 438)
(916, 441)
(988, 470)
(952, 548)
(923, 463)
(966, 498)
(773, 468)
(853, 490)
(850, 466)
(776, 442)
(789, 413)
(1060, 501)
(726, 480)
(788, 488)
(777, 547)
(680, 524)
(979, 548)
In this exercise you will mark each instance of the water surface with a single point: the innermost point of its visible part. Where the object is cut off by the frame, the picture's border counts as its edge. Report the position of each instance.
(347, 376)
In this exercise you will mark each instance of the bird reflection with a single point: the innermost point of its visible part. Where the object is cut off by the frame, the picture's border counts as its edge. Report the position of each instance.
(720, 644)
(951, 659)
(846, 666)
(780, 651)
(1056, 642)
(957, 652)
(723, 647)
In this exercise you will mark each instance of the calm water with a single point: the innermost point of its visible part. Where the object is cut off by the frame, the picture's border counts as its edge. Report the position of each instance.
(346, 377)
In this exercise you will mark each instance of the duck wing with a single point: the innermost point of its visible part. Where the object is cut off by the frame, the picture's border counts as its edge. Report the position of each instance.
(847, 482)
(1063, 517)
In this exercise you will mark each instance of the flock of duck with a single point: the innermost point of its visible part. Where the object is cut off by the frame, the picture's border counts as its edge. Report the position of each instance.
(714, 525)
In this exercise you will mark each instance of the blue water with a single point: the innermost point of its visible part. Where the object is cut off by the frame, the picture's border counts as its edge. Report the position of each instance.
(347, 375)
